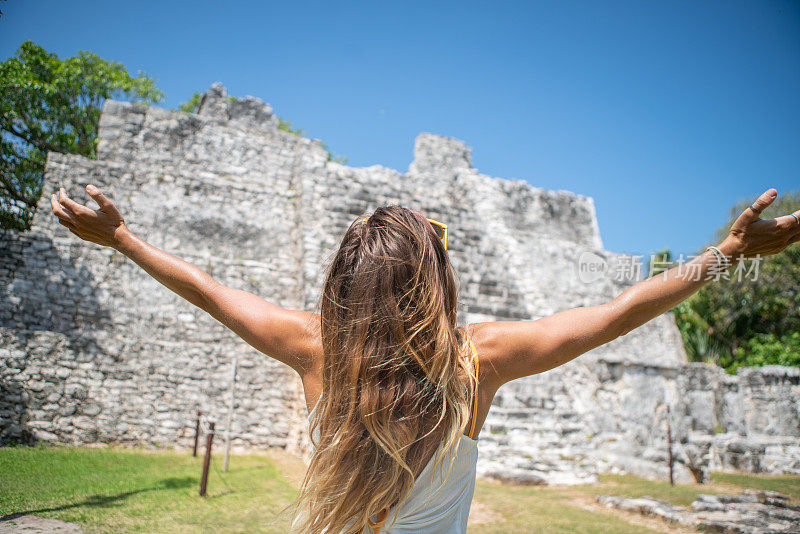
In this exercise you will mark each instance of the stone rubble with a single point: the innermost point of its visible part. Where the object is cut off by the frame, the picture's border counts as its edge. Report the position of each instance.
(751, 512)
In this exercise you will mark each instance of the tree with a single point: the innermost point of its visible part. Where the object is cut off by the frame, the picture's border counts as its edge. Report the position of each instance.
(192, 105)
(49, 104)
(753, 321)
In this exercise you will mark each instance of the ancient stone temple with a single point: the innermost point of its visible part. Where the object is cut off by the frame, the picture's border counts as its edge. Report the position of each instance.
(92, 349)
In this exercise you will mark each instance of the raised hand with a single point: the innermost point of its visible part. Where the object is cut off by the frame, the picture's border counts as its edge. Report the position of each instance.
(750, 235)
(103, 226)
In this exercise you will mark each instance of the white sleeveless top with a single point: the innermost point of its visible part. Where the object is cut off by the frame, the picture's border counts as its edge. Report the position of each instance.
(433, 507)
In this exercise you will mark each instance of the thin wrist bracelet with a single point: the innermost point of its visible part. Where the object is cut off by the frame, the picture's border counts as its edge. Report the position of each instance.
(722, 260)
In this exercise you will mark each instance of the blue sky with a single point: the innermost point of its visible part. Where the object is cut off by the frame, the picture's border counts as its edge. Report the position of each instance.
(666, 113)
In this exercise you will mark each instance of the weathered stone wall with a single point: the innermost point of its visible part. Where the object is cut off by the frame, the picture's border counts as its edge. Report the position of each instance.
(94, 349)
(748, 422)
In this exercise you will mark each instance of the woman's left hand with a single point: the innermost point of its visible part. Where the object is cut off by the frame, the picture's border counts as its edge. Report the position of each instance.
(103, 226)
(752, 236)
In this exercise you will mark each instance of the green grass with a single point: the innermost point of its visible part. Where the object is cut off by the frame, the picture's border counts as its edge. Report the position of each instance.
(685, 494)
(543, 510)
(632, 486)
(788, 485)
(130, 490)
(117, 490)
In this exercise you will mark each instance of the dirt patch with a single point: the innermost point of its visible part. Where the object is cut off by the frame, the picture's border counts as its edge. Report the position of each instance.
(480, 514)
(291, 467)
(31, 524)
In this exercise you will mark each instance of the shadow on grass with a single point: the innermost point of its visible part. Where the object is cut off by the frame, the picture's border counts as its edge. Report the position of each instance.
(108, 500)
(218, 495)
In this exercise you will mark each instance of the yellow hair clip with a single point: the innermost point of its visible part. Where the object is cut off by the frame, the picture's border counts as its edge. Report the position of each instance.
(439, 228)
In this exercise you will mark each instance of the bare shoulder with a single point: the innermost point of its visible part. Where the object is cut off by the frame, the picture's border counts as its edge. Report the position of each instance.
(487, 338)
(311, 340)
(311, 374)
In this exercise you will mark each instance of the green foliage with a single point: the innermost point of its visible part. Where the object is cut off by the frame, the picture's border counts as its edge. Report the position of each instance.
(659, 262)
(192, 105)
(700, 341)
(286, 126)
(48, 104)
(768, 349)
(332, 157)
(753, 321)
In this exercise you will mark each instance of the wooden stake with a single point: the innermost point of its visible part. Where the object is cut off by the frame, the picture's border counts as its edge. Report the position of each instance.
(207, 460)
(196, 433)
(230, 416)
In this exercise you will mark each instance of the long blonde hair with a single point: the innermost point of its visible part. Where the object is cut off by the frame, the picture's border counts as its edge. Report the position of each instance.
(396, 370)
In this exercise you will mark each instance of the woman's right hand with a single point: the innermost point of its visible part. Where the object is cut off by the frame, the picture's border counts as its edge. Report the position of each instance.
(750, 235)
(104, 226)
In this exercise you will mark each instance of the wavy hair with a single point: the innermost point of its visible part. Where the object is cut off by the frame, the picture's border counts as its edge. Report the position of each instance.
(397, 376)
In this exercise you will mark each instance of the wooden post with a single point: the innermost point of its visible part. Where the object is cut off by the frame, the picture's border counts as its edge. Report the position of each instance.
(230, 417)
(196, 433)
(669, 451)
(207, 460)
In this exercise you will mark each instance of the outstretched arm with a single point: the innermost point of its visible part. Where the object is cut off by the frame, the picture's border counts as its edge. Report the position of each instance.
(287, 335)
(520, 348)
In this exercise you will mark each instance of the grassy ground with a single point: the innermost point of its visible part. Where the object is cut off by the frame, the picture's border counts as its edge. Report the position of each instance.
(124, 490)
(137, 491)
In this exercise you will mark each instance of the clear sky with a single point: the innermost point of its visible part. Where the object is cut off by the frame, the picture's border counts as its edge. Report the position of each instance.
(665, 112)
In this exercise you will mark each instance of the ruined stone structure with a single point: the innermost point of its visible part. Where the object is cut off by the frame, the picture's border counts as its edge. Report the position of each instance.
(751, 512)
(92, 349)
